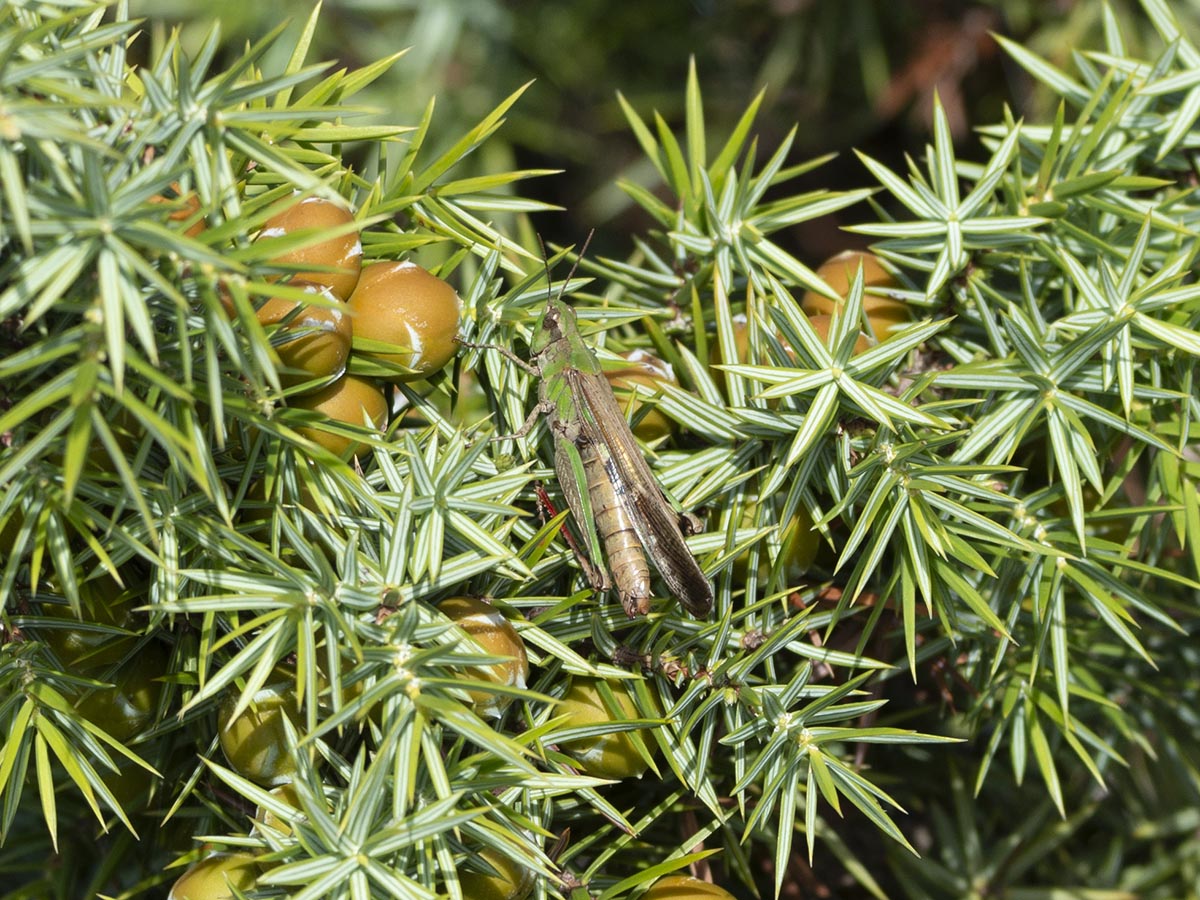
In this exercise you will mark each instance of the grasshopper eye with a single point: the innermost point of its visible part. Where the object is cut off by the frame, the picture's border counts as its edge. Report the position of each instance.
(552, 323)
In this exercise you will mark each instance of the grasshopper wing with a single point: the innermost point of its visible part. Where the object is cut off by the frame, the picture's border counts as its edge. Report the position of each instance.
(654, 520)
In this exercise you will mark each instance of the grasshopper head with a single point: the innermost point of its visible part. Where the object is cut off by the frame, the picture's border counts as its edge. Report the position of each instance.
(558, 319)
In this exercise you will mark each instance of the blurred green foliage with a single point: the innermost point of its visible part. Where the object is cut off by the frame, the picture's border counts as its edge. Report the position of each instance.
(855, 73)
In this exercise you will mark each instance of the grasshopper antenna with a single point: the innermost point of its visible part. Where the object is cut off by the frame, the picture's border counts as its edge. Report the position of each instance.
(575, 265)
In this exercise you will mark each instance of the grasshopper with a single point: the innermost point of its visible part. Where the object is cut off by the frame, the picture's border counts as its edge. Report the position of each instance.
(612, 495)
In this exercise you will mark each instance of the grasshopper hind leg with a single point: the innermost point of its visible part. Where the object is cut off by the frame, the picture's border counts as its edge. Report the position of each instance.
(593, 568)
(690, 524)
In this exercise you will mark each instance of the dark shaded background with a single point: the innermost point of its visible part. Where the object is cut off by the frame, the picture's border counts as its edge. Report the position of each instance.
(850, 73)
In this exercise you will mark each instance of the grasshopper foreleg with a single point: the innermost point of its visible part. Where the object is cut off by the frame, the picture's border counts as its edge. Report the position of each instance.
(526, 426)
(503, 351)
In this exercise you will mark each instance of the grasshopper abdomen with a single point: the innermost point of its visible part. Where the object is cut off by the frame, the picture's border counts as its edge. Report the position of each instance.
(622, 548)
